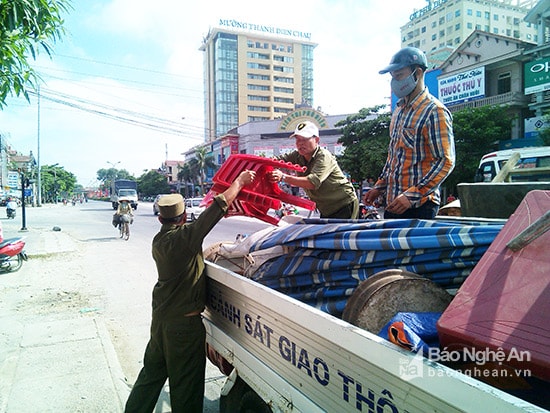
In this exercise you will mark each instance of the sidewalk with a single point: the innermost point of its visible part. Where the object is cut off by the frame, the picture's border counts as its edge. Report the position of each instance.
(56, 350)
(53, 365)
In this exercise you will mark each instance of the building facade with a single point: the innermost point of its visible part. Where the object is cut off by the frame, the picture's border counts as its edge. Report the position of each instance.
(269, 138)
(445, 24)
(253, 73)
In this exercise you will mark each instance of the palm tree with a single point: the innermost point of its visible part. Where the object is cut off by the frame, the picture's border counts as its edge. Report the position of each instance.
(187, 176)
(204, 160)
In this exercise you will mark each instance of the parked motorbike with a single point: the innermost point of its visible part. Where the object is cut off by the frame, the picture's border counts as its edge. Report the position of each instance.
(368, 212)
(10, 212)
(12, 254)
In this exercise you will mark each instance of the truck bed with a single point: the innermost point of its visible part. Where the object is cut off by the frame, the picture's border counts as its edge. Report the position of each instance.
(300, 359)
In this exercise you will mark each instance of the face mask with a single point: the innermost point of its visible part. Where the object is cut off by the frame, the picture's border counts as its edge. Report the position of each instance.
(404, 87)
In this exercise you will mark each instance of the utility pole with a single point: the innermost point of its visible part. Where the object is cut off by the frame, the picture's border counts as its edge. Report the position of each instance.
(39, 192)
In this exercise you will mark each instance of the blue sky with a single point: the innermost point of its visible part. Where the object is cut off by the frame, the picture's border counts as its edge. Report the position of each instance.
(140, 60)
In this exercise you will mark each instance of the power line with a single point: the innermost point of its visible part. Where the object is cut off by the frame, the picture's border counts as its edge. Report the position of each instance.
(118, 114)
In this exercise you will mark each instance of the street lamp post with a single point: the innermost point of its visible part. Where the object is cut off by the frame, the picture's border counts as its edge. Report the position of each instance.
(23, 212)
(113, 165)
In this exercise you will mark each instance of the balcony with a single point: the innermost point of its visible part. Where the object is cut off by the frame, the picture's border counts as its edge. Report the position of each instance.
(517, 99)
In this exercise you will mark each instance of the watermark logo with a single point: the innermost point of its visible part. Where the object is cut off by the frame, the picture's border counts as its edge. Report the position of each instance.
(473, 362)
(412, 367)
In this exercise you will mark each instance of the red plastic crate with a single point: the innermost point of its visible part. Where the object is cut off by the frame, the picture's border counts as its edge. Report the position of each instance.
(505, 302)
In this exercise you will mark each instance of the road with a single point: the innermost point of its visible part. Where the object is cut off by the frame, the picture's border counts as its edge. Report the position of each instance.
(102, 277)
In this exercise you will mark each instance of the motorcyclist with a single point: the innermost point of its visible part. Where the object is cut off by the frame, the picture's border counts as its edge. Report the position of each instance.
(11, 206)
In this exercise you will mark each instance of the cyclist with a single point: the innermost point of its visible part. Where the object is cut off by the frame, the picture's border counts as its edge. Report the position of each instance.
(124, 209)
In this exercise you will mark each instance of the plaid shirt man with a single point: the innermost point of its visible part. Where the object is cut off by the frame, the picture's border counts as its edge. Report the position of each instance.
(421, 151)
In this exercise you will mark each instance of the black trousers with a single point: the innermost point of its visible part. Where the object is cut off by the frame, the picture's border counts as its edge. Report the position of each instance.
(428, 210)
(176, 351)
(350, 211)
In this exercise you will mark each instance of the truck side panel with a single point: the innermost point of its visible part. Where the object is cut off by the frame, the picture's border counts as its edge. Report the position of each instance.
(312, 361)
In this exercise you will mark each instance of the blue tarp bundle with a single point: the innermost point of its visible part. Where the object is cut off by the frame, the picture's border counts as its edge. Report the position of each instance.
(327, 259)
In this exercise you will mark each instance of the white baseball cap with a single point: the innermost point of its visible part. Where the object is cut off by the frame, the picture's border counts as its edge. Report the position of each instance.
(306, 129)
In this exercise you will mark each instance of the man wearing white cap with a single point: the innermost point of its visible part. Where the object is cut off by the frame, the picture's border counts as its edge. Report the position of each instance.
(323, 180)
(176, 349)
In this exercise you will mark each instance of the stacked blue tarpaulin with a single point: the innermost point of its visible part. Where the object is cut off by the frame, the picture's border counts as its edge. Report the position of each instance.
(327, 259)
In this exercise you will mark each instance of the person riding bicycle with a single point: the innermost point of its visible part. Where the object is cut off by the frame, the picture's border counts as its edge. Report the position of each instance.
(124, 208)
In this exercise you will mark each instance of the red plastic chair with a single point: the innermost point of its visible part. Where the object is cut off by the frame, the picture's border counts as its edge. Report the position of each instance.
(257, 199)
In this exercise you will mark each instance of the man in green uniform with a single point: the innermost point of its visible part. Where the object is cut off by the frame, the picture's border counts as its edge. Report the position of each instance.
(323, 180)
(176, 349)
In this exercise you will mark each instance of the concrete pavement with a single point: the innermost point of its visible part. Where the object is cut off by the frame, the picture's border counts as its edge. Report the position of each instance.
(66, 363)
(63, 365)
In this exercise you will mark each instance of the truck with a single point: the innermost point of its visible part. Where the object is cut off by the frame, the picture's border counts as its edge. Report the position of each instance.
(281, 354)
(126, 188)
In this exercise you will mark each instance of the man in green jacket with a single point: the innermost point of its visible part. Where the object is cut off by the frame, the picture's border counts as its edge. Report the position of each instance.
(323, 180)
(176, 349)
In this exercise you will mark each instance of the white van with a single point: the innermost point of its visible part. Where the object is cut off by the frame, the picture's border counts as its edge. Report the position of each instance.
(531, 157)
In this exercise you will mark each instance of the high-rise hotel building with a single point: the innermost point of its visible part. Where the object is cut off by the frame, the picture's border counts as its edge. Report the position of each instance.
(254, 72)
(444, 24)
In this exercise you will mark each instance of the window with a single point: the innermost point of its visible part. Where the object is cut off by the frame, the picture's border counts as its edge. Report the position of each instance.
(457, 13)
(256, 76)
(457, 27)
(283, 79)
(258, 87)
(283, 89)
(495, 30)
(284, 69)
(487, 15)
(287, 59)
(504, 83)
(469, 26)
(495, 17)
(254, 55)
(258, 108)
(469, 12)
(283, 100)
(253, 65)
(260, 98)
(478, 13)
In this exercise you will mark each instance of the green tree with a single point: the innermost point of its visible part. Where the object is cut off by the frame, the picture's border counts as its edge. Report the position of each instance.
(545, 133)
(25, 27)
(56, 182)
(476, 131)
(152, 183)
(204, 161)
(365, 136)
(187, 174)
(107, 175)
